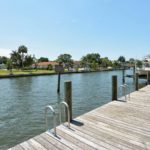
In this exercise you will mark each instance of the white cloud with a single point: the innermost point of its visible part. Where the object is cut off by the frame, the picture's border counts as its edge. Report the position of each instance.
(5, 52)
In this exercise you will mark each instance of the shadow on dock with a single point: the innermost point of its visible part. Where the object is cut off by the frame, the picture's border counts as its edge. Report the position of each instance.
(77, 123)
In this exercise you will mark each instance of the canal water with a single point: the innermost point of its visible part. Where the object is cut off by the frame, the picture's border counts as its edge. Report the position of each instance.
(23, 100)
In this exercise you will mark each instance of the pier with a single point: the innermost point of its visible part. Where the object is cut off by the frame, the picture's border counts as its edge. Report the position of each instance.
(113, 126)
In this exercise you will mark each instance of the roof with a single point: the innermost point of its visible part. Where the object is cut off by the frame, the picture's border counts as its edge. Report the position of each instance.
(77, 62)
(48, 63)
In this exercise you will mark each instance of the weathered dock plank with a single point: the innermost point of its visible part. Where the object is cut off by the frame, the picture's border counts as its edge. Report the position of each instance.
(123, 139)
(36, 145)
(45, 143)
(91, 137)
(59, 145)
(79, 140)
(17, 147)
(114, 126)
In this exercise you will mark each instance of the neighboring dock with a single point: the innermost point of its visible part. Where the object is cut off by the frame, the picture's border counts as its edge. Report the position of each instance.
(114, 126)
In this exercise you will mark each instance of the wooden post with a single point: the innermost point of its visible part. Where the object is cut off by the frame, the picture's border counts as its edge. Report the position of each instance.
(59, 69)
(114, 88)
(68, 96)
(123, 76)
(137, 82)
(134, 73)
(58, 86)
(148, 77)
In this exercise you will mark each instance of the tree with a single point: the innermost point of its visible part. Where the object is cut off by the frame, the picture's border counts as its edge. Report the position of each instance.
(35, 62)
(3, 60)
(50, 67)
(16, 59)
(28, 60)
(131, 60)
(22, 50)
(94, 66)
(115, 64)
(66, 59)
(105, 62)
(139, 63)
(9, 64)
(91, 60)
(122, 59)
(43, 59)
(19, 60)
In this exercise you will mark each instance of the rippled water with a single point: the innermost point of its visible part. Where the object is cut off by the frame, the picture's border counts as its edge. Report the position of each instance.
(22, 101)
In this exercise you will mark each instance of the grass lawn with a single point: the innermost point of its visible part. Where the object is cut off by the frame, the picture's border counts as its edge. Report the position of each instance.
(6, 72)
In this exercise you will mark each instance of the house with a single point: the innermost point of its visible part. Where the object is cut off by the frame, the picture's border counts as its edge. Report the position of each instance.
(45, 65)
(77, 64)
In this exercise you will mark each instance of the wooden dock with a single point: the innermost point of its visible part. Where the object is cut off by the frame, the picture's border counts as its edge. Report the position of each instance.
(114, 126)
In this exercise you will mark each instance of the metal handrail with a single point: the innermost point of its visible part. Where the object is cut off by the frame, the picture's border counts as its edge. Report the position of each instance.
(68, 113)
(128, 88)
(124, 88)
(54, 117)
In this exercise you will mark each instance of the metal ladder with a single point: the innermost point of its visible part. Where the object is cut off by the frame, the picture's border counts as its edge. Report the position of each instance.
(54, 115)
(68, 113)
(124, 89)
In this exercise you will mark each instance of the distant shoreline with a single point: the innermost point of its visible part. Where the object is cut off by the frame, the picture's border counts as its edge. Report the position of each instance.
(46, 74)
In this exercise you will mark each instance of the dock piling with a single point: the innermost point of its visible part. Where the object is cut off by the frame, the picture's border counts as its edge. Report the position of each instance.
(123, 76)
(148, 77)
(68, 96)
(114, 88)
(137, 82)
(58, 85)
(134, 74)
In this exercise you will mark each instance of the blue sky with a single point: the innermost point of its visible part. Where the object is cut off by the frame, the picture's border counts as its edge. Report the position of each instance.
(52, 27)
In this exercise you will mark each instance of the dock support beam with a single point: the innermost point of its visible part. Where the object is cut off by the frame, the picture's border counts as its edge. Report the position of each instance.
(68, 96)
(137, 82)
(148, 77)
(114, 88)
(134, 74)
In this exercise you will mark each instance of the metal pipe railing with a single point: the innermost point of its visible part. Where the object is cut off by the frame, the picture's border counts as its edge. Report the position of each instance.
(127, 86)
(68, 113)
(124, 89)
(54, 117)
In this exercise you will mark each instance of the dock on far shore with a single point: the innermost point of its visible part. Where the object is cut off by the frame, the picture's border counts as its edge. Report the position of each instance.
(113, 126)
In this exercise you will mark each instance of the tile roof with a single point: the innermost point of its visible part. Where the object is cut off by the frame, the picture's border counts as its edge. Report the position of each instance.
(48, 63)
(77, 62)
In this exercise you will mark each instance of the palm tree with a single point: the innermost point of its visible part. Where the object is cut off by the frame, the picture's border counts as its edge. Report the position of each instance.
(22, 49)
(122, 61)
(15, 58)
